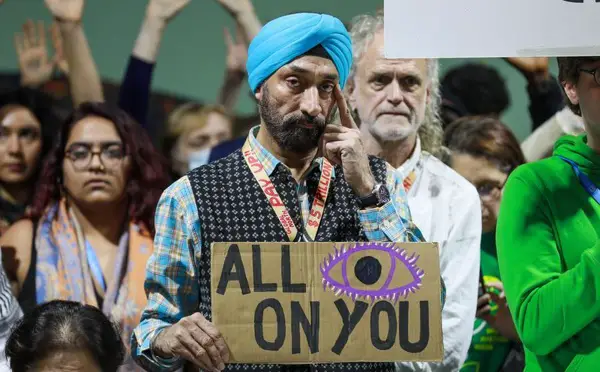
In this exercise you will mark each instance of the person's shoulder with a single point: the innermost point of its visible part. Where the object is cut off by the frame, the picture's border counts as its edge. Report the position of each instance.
(452, 181)
(177, 191)
(18, 232)
(543, 173)
(17, 243)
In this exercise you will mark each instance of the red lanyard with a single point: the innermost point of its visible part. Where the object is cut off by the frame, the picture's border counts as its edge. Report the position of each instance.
(318, 205)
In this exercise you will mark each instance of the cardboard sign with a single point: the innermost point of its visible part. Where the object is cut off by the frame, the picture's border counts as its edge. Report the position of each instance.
(478, 28)
(286, 303)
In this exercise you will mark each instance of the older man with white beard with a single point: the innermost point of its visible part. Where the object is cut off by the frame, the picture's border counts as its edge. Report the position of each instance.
(396, 102)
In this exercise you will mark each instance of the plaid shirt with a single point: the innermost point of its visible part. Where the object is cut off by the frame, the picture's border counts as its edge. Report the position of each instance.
(172, 277)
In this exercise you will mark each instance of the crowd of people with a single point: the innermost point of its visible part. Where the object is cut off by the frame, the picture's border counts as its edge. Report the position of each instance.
(106, 237)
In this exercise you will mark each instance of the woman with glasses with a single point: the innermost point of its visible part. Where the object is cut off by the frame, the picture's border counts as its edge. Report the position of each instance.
(90, 230)
(485, 152)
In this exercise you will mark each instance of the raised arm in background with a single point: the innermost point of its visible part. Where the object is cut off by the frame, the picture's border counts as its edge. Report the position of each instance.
(32, 53)
(244, 15)
(545, 96)
(35, 66)
(59, 51)
(235, 69)
(84, 79)
(550, 119)
(248, 26)
(134, 96)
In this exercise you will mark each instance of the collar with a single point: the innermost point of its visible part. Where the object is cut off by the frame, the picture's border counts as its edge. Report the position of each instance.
(411, 163)
(269, 161)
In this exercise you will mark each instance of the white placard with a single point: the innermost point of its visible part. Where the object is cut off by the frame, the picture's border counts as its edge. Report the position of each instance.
(491, 28)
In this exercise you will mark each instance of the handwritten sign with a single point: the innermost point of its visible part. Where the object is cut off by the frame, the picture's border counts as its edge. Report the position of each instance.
(327, 302)
(476, 28)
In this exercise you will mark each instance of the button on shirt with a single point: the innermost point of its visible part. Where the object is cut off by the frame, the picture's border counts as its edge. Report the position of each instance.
(173, 295)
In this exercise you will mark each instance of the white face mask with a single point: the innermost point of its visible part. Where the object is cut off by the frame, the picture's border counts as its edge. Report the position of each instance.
(198, 158)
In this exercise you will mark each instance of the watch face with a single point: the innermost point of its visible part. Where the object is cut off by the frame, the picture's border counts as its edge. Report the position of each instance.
(384, 195)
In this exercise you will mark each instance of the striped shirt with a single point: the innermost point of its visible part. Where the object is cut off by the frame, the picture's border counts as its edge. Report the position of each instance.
(10, 313)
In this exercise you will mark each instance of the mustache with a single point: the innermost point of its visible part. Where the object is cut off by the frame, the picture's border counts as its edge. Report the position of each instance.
(395, 112)
(294, 119)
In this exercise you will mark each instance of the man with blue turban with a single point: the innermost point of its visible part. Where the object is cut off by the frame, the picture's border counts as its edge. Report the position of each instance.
(297, 178)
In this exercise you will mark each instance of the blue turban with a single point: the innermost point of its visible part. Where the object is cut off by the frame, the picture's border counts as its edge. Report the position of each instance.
(286, 38)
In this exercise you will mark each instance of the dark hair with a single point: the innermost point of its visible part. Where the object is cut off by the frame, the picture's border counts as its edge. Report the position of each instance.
(472, 89)
(568, 72)
(64, 325)
(485, 137)
(149, 174)
(43, 107)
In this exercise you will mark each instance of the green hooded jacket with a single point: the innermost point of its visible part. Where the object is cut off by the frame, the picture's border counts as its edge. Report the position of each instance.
(549, 258)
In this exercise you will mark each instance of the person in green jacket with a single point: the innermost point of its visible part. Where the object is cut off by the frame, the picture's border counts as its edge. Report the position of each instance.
(548, 238)
(485, 152)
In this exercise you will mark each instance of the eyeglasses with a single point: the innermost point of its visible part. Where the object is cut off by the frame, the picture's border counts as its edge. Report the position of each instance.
(490, 190)
(594, 73)
(81, 155)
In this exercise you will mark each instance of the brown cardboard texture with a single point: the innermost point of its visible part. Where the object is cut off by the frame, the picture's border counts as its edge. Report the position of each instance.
(288, 303)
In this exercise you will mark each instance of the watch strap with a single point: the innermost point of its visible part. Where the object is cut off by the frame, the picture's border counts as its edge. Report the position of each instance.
(374, 199)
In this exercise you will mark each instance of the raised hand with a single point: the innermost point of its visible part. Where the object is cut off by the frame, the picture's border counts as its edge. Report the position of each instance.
(342, 144)
(245, 16)
(165, 10)
(530, 66)
(32, 53)
(237, 7)
(59, 53)
(66, 10)
(237, 51)
(195, 339)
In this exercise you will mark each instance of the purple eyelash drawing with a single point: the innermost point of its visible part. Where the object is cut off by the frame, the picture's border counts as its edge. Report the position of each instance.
(373, 272)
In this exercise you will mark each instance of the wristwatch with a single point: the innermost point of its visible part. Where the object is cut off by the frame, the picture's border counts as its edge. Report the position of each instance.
(378, 197)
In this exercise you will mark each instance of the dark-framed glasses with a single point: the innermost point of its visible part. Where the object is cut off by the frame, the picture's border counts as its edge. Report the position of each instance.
(594, 72)
(110, 154)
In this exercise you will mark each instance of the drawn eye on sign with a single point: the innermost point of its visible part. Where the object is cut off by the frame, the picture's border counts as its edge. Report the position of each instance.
(359, 271)
(308, 302)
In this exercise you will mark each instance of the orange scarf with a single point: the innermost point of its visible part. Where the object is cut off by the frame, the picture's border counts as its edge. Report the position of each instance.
(63, 272)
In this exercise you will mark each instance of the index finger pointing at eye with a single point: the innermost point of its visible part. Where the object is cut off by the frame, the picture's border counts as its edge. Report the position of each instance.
(345, 116)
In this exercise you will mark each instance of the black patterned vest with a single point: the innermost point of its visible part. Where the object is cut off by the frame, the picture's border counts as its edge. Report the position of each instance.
(233, 208)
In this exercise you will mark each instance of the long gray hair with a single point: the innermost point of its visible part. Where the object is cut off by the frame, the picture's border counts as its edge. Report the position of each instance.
(364, 27)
